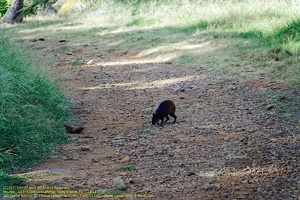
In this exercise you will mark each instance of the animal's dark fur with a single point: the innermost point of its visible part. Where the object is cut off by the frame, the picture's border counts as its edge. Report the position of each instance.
(164, 109)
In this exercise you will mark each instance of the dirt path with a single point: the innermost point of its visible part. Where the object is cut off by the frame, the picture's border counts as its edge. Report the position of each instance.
(227, 143)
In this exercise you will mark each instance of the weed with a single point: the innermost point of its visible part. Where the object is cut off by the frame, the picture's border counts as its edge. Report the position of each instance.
(125, 168)
(113, 192)
(185, 59)
(76, 62)
(9, 180)
(143, 132)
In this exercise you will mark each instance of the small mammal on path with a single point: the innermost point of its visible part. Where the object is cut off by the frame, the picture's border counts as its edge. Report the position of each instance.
(164, 109)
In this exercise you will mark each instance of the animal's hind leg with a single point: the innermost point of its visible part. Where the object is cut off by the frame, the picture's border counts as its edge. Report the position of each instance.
(167, 118)
(173, 115)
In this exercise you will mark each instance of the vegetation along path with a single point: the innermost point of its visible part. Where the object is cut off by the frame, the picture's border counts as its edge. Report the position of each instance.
(236, 135)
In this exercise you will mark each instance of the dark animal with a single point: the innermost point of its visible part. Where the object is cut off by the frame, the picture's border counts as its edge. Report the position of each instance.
(164, 109)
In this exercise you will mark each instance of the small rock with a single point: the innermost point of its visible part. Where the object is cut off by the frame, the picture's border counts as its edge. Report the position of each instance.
(208, 186)
(190, 173)
(66, 178)
(123, 174)
(104, 128)
(217, 186)
(176, 140)
(78, 186)
(90, 62)
(269, 107)
(227, 139)
(119, 183)
(73, 129)
(124, 159)
(86, 148)
(107, 173)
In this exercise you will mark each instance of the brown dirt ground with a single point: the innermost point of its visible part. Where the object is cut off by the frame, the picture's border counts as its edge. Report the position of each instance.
(226, 144)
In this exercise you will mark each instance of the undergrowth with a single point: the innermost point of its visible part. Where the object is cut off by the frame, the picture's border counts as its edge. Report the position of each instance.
(9, 180)
(32, 110)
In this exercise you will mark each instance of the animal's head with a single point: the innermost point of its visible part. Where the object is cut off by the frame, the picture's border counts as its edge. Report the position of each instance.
(155, 119)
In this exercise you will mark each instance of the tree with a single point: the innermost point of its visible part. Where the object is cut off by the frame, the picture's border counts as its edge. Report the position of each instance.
(13, 13)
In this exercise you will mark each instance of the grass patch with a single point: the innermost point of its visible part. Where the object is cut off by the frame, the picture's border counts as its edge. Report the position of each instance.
(9, 180)
(113, 192)
(76, 62)
(125, 168)
(287, 105)
(254, 30)
(143, 132)
(33, 110)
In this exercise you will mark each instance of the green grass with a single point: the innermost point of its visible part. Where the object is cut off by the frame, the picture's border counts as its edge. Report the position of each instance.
(9, 180)
(113, 192)
(255, 33)
(143, 132)
(125, 168)
(32, 113)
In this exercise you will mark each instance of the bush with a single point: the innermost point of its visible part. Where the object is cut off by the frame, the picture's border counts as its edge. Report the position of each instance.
(3, 7)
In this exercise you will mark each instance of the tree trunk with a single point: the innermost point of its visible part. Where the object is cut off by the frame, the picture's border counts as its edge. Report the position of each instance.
(11, 16)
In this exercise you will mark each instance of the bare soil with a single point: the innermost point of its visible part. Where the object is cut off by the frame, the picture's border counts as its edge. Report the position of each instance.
(228, 142)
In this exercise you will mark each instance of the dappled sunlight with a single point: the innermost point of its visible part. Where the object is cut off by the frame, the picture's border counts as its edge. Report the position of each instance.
(269, 169)
(142, 84)
(183, 46)
(235, 135)
(126, 30)
(159, 59)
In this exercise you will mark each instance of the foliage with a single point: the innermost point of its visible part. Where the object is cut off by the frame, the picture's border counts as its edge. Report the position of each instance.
(31, 7)
(9, 180)
(3, 7)
(125, 168)
(32, 110)
(113, 192)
